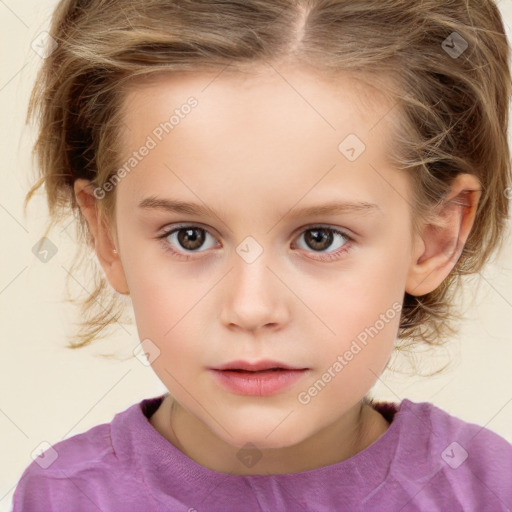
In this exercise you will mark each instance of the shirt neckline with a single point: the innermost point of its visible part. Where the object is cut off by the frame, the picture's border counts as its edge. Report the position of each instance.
(166, 471)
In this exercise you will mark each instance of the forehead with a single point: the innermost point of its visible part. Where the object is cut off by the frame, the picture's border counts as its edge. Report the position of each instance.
(242, 92)
(265, 124)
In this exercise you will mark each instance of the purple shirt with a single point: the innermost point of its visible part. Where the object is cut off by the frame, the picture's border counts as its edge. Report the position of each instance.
(427, 460)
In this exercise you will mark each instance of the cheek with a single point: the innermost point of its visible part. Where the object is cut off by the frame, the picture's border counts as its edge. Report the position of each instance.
(351, 363)
(167, 307)
(364, 338)
(360, 296)
(363, 311)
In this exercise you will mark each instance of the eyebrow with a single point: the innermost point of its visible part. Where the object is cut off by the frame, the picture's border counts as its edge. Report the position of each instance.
(328, 208)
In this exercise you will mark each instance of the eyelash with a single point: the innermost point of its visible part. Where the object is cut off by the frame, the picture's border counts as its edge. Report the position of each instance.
(322, 257)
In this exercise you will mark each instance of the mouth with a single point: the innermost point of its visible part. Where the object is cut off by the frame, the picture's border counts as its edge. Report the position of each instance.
(259, 374)
(258, 366)
(263, 378)
(268, 370)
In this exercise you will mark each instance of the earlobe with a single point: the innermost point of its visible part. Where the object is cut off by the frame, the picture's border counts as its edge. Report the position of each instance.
(104, 247)
(439, 245)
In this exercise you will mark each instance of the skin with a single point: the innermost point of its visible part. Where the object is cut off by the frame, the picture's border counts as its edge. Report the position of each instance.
(255, 150)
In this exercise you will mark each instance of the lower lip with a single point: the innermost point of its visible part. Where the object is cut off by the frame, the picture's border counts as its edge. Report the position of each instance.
(263, 383)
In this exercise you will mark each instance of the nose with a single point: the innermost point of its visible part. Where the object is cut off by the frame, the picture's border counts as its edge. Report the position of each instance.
(254, 296)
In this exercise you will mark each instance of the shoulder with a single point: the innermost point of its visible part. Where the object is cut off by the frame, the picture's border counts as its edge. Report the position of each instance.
(54, 476)
(456, 458)
(92, 469)
(455, 438)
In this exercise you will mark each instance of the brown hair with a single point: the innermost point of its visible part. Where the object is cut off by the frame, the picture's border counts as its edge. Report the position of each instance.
(447, 63)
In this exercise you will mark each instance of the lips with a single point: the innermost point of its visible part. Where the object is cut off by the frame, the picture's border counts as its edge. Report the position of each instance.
(258, 366)
(258, 379)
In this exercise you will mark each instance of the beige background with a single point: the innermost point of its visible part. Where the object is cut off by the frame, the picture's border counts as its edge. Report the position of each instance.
(49, 393)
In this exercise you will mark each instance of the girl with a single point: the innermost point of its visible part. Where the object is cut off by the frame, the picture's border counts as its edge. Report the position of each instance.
(287, 191)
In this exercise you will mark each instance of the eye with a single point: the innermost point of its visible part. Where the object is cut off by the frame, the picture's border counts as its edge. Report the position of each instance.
(320, 238)
(190, 238)
(185, 238)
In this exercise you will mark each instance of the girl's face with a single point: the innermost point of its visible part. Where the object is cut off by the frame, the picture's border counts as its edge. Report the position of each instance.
(247, 273)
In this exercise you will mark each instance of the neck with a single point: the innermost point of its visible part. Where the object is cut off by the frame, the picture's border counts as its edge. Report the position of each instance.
(353, 432)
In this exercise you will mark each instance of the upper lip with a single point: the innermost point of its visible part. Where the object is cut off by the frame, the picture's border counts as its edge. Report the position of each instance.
(266, 364)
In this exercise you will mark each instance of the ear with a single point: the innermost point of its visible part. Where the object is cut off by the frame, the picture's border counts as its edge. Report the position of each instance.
(438, 247)
(103, 245)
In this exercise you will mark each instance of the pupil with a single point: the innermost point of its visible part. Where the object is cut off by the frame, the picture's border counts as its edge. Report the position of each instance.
(188, 240)
(319, 239)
